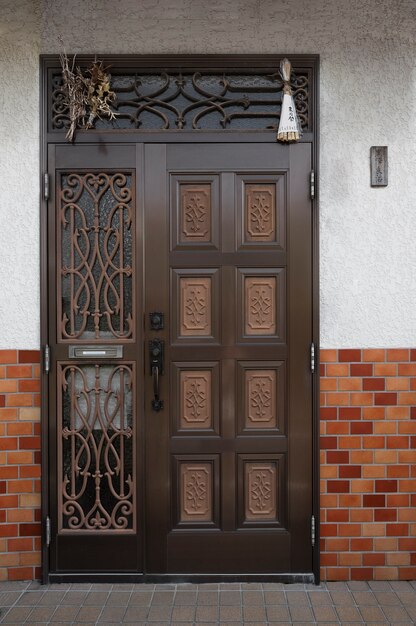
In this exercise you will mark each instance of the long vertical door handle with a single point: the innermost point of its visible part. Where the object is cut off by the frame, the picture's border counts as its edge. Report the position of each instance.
(156, 350)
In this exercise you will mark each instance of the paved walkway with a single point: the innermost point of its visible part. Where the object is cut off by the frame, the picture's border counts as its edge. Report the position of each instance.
(374, 603)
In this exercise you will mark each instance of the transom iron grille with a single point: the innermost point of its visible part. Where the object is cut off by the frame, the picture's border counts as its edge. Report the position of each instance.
(191, 101)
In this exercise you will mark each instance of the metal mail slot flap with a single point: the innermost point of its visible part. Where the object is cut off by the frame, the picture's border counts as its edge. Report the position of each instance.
(95, 352)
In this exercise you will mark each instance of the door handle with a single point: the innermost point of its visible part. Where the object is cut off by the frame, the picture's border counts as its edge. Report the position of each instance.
(156, 353)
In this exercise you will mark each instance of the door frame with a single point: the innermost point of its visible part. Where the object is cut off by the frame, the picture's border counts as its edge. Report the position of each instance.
(257, 63)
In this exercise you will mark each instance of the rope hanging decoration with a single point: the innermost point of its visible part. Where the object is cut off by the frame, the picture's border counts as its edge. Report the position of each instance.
(289, 127)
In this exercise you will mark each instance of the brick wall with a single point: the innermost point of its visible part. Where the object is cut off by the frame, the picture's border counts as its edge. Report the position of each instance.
(19, 465)
(368, 464)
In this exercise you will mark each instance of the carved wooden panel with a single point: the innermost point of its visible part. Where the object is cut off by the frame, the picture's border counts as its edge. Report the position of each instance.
(260, 491)
(96, 256)
(195, 399)
(260, 408)
(195, 206)
(260, 212)
(260, 305)
(195, 493)
(96, 448)
(195, 306)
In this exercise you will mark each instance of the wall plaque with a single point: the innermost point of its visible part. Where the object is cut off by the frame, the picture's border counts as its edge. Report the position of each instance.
(379, 166)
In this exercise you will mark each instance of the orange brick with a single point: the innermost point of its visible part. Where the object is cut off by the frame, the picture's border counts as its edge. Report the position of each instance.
(398, 441)
(374, 471)
(20, 515)
(373, 442)
(336, 544)
(385, 456)
(398, 471)
(36, 371)
(407, 515)
(397, 384)
(362, 486)
(362, 399)
(397, 500)
(328, 500)
(30, 415)
(30, 500)
(328, 356)
(349, 443)
(398, 558)
(374, 530)
(8, 415)
(19, 399)
(350, 558)
(20, 457)
(337, 573)
(20, 573)
(398, 412)
(385, 544)
(407, 485)
(361, 457)
(362, 515)
(29, 385)
(20, 486)
(8, 386)
(373, 355)
(338, 369)
(407, 397)
(398, 354)
(385, 428)
(407, 427)
(349, 530)
(30, 558)
(19, 371)
(350, 384)
(329, 471)
(337, 399)
(374, 413)
(328, 384)
(350, 500)
(9, 559)
(385, 369)
(407, 456)
(19, 428)
(386, 573)
(337, 428)
(8, 356)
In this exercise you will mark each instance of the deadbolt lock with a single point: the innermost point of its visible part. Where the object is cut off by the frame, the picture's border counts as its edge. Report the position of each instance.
(157, 321)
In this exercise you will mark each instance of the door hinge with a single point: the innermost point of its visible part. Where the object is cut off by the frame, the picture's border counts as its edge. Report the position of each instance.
(46, 186)
(312, 357)
(312, 185)
(48, 531)
(313, 530)
(47, 358)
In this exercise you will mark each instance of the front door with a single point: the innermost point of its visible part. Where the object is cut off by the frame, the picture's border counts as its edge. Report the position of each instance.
(180, 303)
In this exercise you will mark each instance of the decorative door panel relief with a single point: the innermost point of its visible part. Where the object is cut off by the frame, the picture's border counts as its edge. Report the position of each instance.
(260, 399)
(195, 220)
(195, 492)
(260, 491)
(96, 256)
(96, 448)
(195, 306)
(195, 399)
(260, 212)
(260, 305)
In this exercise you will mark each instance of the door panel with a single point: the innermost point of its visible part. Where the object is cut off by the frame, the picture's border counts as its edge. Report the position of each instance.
(95, 330)
(239, 480)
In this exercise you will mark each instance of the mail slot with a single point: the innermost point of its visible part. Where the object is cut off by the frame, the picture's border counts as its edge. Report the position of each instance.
(95, 352)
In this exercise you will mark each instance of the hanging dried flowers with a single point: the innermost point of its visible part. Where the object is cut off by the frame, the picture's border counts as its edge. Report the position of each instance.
(289, 127)
(88, 94)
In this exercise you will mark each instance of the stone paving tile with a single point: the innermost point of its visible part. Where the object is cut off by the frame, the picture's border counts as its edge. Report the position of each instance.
(277, 613)
(208, 598)
(232, 598)
(348, 614)
(163, 597)
(297, 597)
(136, 613)
(230, 613)
(372, 614)
(324, 613)
(65, 613)
(185, 597)
(207, 613)
(395, 613)
(254, 614)
(301, 614)
(140, 598)
(159, 613)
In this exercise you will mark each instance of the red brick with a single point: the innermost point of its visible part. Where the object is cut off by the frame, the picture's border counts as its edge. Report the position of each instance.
(386, 486)
(29, 385)
(398, 442)
(8, 356)
(20, 545)
(349, 355)
(338, 486)
(374, 384)
(29, 443)
(8, 530)
(8, 443)
(349, 413)
(349, 530)
(328, 413)
(384, 399)
(385, 515)
(373, 442)
(29, 530)
(338, 515)
(350, 471)
(377, 558)
(398, 471)
(413, 355)
(19, 371)
(328, 443)
(29, 356)
(363, 544)
(20, 573)
(361, 369)
(9, 502)
(30, 471)
(372, 500)
(9, 472)
(361, 573)
(329, 530)
(395, 530)
(361, 428)
(337, 457)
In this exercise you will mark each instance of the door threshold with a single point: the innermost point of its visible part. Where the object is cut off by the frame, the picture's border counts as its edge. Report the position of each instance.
(94, 577)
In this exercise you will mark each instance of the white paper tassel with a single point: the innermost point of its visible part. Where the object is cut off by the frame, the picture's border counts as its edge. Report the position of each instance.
(288, 125)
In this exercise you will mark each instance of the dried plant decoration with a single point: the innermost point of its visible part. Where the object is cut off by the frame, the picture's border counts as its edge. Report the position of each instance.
(289, 127)
(89, 95)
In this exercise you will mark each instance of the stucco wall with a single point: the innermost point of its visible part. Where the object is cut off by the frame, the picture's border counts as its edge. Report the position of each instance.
(368, 97)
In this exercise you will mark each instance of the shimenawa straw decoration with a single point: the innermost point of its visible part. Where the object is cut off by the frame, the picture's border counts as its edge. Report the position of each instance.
(289, 128)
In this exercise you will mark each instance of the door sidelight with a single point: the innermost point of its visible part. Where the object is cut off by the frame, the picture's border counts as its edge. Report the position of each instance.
(156, 350)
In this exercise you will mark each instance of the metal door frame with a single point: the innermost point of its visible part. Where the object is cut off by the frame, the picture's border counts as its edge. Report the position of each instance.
(160, 63)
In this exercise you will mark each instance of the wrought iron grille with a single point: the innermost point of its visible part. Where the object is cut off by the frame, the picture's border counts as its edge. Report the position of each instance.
(192, 101)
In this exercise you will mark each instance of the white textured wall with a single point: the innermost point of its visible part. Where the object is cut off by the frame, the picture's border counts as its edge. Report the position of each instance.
(368, 97)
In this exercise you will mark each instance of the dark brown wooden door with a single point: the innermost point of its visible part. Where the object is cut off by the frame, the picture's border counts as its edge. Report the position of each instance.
(229, 262)
(217, 238)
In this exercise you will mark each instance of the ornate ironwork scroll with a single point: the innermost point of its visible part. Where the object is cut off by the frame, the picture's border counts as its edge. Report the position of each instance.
(96, 448)
(198, 101)
(96, 252)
